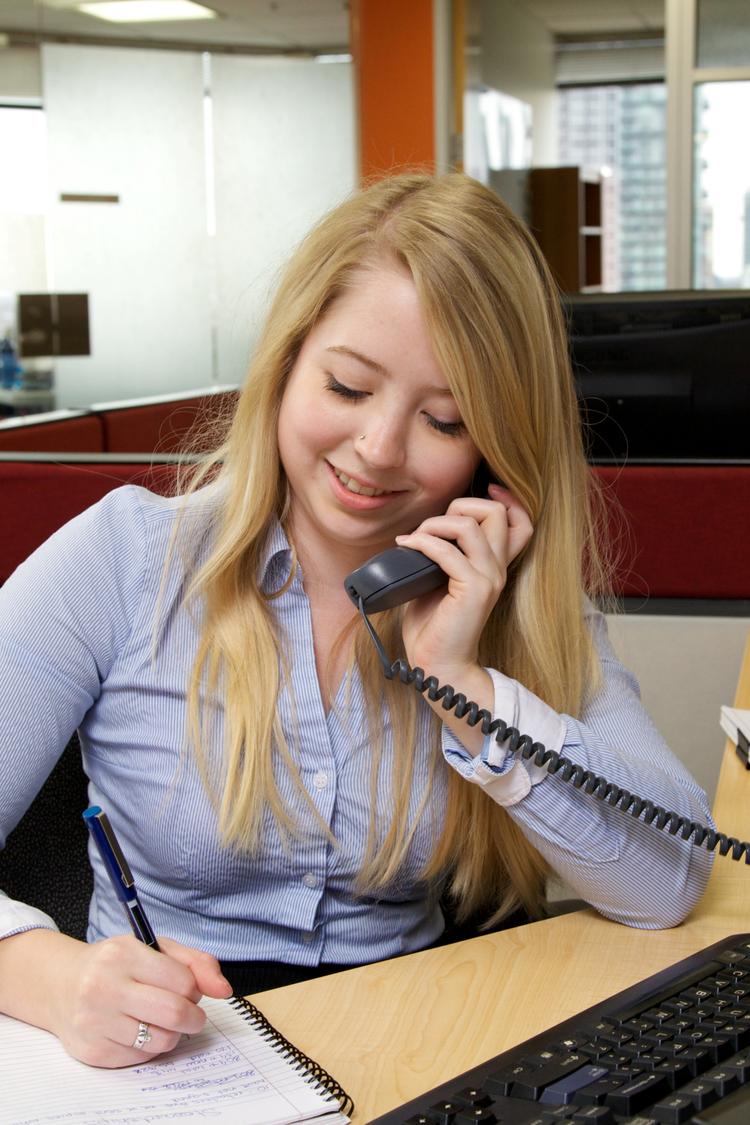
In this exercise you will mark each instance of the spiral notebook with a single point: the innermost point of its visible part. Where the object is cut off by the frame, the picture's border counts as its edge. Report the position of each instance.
(238, 1071)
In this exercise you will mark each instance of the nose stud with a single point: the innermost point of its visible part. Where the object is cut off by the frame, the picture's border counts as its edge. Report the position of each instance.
(362, 437)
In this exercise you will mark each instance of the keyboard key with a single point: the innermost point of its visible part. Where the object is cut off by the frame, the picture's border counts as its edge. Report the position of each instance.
(723, 1078)
(569, 1087)
(616, 1061)
(614, 1036)
(500, 1083)
(515, 1111)
(656, 1037)
(641, 1025)
(655, 1015)
(738, 1033)
(701, 1094)
(731, 957)
(675, 1071)
(733, 1110)
(574, 1042)
(641, 1092)
(704, 991)
(597, 1092)
(472, 1096)
(696, 1058)
(674, 1110)
(444, 1113)
(718, 1047)
(596, 1114)
(740, 1064)
(479, 1115)
(533, 1085)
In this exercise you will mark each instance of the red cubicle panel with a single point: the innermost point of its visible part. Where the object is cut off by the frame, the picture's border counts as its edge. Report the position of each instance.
(683, 531)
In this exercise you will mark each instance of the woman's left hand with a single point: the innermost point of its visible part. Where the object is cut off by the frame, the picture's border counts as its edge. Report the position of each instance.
(474, 543)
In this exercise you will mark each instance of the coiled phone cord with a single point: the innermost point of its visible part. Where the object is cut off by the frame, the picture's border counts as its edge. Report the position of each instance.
(580, 778)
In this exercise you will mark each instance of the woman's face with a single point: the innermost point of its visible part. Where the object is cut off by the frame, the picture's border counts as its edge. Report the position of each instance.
(369, 434)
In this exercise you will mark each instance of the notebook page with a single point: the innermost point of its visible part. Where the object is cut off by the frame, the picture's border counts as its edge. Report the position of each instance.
(227, 1073)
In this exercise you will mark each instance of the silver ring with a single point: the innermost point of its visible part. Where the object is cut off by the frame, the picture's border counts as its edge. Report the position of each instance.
(143, 1037)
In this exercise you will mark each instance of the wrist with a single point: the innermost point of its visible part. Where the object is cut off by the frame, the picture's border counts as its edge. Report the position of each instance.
(33, 974)
(475, 683)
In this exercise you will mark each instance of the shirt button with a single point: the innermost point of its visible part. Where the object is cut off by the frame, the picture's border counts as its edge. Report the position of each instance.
(320, 780)
(310, 880)
(307, 936)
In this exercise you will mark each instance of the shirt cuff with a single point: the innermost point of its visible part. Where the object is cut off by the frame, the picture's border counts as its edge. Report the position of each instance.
(506, 777)
(15, 917)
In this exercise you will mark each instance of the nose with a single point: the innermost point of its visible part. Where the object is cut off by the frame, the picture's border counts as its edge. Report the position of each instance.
(383, 444)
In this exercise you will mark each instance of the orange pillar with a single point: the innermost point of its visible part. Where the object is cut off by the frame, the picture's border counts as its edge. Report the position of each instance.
(392, 47)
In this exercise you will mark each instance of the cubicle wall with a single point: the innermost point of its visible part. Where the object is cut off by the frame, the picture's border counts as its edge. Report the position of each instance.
(160, 424)
(682, 532)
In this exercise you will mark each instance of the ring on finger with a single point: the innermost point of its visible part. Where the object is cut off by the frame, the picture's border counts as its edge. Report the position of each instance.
(143, 1036)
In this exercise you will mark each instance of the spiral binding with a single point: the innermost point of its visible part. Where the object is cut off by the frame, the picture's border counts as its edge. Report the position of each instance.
(580, 778)
(313, 1072)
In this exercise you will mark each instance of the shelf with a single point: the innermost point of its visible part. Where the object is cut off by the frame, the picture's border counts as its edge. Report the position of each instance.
(565, 217)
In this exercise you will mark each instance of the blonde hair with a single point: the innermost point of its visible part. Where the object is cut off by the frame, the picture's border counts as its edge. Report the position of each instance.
(493, 315)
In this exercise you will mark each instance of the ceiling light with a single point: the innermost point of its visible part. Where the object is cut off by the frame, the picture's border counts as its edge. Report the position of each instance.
(146, 11)
(333, 58)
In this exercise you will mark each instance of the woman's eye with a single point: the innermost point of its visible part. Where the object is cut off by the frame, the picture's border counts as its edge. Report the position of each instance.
(453, 429)
(333, 384)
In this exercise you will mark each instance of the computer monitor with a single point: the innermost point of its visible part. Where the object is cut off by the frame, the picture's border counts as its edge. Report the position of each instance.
(663, 375)
(51, 324)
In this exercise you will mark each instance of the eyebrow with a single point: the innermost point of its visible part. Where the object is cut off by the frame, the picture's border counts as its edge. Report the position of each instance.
(342, 349)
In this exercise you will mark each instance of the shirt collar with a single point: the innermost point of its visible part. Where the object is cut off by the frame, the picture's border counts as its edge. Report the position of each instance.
(276, 559)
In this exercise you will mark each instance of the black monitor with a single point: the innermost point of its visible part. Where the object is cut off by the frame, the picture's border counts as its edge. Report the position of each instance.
(51, 324)
(663, 375)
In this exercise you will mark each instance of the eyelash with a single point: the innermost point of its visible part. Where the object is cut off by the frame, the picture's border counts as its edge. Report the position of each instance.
(451, 429)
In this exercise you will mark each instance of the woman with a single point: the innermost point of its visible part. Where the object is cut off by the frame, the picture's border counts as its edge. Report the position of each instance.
(279, 802)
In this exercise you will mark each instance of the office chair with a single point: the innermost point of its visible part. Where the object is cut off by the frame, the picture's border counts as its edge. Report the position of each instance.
(45, 861)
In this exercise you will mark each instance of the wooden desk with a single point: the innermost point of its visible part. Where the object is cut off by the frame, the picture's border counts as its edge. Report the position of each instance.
(392, 1030)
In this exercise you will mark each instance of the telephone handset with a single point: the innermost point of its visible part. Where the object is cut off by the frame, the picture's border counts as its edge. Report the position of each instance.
(396, 576)
(400, 574)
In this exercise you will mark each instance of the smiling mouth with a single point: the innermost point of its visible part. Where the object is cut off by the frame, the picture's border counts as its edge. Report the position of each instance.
(354, 486)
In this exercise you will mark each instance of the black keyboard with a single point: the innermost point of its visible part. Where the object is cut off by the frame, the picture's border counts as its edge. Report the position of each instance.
(673, 1048)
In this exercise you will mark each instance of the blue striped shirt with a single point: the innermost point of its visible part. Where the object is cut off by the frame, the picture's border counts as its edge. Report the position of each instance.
(76, 651)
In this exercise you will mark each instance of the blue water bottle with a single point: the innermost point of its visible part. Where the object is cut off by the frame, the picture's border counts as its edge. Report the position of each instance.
(10, 368)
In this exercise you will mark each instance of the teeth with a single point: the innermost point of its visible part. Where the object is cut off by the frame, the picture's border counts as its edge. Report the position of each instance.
(353, 486)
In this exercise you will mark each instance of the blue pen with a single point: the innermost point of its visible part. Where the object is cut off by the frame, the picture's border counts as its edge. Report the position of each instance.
(119, 873)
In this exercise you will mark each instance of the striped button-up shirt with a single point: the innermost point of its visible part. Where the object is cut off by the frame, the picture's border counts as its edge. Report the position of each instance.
(77, 651)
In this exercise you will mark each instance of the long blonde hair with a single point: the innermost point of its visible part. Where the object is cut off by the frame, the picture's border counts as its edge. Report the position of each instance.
(493, 315)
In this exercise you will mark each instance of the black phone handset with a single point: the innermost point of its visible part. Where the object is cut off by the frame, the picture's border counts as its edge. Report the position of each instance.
(400, 574)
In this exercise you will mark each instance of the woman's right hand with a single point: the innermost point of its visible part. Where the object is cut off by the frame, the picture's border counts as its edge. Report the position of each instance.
(100, 993)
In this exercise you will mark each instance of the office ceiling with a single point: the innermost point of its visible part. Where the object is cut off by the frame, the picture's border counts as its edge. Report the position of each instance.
(279, 24)
(310, 25)
(584, 17)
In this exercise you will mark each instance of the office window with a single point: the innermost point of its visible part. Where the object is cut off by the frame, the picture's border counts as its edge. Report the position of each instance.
(721, 215)
(24, 196)
(622, 128)
(23, 144)
(722, 33)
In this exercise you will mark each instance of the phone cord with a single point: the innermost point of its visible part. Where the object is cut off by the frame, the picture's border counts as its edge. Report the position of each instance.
(580, 778)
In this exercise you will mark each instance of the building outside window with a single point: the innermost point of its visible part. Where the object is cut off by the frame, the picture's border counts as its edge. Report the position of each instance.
(621, 127)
